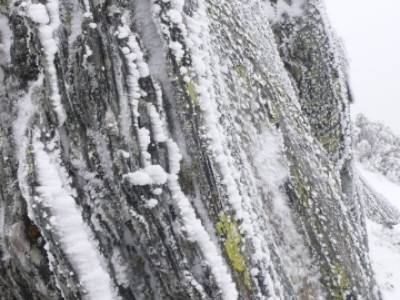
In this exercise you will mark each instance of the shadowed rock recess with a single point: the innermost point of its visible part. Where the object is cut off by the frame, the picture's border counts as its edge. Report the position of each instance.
(177, 149)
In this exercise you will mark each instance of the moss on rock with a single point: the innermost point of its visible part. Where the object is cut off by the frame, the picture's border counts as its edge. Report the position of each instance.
(229, 230)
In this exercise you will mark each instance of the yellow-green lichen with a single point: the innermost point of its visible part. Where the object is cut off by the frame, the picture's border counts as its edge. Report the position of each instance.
(343, 282)
(241, 71)
(330, 142)
(274, 112)
(68, 17)
(314, 73)
(299, 187)
(316, 225)
(211, 12)
(229, 230)
(192, 93)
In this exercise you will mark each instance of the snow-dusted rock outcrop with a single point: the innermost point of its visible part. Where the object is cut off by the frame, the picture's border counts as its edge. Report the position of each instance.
(177, 149)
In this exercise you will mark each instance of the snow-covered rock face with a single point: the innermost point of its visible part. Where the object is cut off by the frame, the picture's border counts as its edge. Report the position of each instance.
(176, 150)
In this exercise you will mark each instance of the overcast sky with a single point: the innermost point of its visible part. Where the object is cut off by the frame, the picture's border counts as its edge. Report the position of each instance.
(371, 33)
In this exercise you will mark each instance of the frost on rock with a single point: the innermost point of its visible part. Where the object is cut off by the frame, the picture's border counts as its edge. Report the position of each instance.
(206, 154)
(156, 124)
(75, 240)
(196, 231)
(5, 40)
(153, 174)
(48, 20)
(38, 13)
(282, 8)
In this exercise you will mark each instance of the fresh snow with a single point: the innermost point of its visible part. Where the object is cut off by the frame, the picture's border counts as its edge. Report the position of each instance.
(281, 8)
(26, 110)
(152, 174)
(137, 68)
(87, 13)
(382, 186)
(5, 40)
(48, 20)
(385, 255)
(177, 49)
(80, 247)
(156, 124)
(384, 242)
(151, 203)
(199, 43)
(195, 230)
(272, 172)
(38, 13)
(144, 142)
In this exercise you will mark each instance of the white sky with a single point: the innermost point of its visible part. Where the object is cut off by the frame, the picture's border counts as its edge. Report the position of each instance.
(371, 33)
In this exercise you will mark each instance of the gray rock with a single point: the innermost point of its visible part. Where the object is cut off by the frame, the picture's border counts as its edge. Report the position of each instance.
(177, 150)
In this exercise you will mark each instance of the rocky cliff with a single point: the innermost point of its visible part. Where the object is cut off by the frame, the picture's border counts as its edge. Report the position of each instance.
(177, 149)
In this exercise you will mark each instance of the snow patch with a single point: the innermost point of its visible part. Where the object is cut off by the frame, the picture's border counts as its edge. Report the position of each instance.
(49, 22)
(153, 174)
(282, 8)
(381, 186)
(384, 241)
(137, 68)
(177, 49)
(120, 268)
(151, 203)
(157, 191)
(138, 178)
(273, 172)
(76, 25)
(269, 159)
(144, 142)
(93, 25)
(195, 229)
(77, 243)
(26, 110)
(385, 255)
(38, 13)
(156, 124)
(88, 13)
(5, 40)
